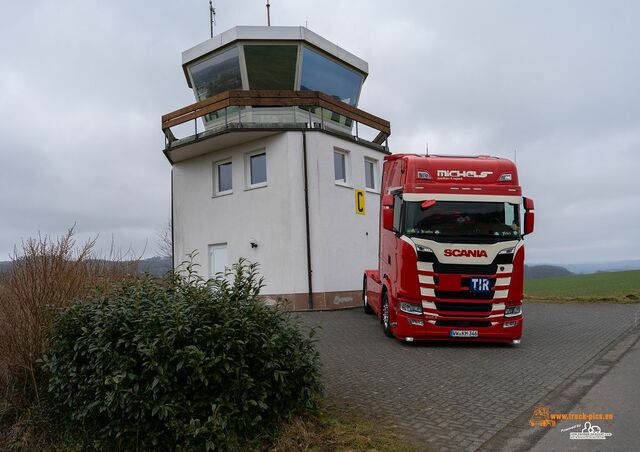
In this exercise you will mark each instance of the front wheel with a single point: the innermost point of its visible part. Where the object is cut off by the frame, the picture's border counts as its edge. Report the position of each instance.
(365, 298)
(384, 318)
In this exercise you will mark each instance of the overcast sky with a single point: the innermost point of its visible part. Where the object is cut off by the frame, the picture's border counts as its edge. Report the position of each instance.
(83, 84)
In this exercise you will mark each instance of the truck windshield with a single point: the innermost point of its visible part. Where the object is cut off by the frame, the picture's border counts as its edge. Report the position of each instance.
(462, 219)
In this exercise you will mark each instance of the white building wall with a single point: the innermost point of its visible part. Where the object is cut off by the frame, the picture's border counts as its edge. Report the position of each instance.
(272, 215)
(343, 244)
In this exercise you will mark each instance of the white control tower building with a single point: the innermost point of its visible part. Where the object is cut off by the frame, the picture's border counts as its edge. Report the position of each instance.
(276, 164)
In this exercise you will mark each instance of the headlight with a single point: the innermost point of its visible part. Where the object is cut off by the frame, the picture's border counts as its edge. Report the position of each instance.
(410, 308)
(513, 311)
(423, 248)
(507, 251)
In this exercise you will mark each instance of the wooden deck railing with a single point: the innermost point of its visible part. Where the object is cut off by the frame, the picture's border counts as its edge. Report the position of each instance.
(268, 98)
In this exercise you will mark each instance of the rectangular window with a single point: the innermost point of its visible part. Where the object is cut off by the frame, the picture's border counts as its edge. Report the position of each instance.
(256, 169)
(217, 259)
(370, 173)
(340, 166)
(397, 211)
(222, 183)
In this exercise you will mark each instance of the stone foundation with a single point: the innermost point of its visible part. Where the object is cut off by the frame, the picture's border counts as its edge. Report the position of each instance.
(322, 301)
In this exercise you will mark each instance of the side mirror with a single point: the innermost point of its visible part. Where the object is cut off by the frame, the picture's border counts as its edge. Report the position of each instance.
(528, 204)
(387, 219)
(529, 216)
(529, 219)
(387, 200)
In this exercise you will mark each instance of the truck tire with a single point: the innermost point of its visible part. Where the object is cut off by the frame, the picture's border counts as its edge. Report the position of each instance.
(365, 301)
(384, 315)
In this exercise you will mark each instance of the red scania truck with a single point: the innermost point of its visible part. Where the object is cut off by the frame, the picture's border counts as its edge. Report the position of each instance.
(451, 253)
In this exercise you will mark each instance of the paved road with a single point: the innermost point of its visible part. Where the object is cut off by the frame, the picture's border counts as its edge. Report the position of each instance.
(618, 393)
(456, 396)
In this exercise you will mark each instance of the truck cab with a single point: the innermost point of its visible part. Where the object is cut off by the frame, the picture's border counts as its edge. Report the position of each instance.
(451, 252)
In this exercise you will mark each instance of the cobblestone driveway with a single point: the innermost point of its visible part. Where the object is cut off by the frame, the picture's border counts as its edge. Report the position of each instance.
(456, 396)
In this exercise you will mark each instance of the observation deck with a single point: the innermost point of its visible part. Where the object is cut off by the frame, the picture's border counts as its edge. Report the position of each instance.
(264, 80)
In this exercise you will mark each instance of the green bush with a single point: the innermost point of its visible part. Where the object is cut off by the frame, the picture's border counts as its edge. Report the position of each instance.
(180, 363)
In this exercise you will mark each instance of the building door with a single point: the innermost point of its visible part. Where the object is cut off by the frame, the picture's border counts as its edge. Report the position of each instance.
(217, 259)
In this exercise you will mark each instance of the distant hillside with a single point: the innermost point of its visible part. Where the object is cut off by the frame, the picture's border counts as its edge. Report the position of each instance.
(605, 286)
(610, 266)
(544, 271)
(156, 266)
(159, 266)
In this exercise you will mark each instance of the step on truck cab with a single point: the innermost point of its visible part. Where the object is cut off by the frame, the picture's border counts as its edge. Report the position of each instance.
(451, 253)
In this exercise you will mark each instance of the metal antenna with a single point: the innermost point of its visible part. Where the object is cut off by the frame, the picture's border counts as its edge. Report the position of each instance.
(268, 14)
(212, 17)
(427, 149)
(515, 156)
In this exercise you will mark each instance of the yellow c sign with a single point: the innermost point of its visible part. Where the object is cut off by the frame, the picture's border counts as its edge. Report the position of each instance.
(360, 210)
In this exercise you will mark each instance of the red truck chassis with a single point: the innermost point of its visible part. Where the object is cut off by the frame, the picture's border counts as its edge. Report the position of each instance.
(451, 253)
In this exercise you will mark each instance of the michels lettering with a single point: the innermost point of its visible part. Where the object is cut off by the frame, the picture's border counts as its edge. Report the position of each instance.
(465, 253)
(459, 174)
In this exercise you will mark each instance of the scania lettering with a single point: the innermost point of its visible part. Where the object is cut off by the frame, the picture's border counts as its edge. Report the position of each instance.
(466, 253)
(451, 249)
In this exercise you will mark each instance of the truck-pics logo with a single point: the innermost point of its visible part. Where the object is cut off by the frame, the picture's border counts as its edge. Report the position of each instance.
(458, 174)
(465, 253)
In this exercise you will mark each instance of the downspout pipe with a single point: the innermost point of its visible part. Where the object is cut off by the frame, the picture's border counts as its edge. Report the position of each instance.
(173, 233)
(306, 217)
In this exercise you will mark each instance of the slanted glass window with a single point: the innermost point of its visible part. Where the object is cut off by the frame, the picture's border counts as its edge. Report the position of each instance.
(258, 169)
(223, 179)
(370, 174)
(340, 166)
(271, 66)
(216, 74)
(319, 73)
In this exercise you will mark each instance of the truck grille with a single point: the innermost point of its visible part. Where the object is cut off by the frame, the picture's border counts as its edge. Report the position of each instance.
(464, 323)
(463, 294)
(461, 290)
(463, 307)
(464, 269)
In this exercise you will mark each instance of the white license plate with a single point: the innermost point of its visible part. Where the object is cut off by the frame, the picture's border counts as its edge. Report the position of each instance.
(463, 333)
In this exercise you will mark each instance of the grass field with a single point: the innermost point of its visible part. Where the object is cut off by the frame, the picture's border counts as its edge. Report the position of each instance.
(621, 287)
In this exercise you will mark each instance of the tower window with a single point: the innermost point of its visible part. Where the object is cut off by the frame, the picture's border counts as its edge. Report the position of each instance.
(341, 167)
(223, 180)
(216, 74)
(257, 169)
(271, 66)
(370, 173)
(320, 73)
